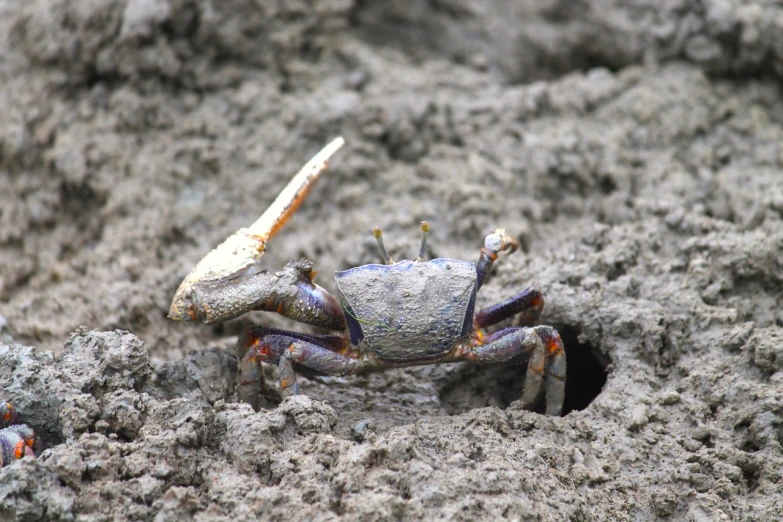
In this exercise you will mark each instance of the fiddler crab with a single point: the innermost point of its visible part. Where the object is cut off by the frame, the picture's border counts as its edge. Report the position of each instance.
(391, 315)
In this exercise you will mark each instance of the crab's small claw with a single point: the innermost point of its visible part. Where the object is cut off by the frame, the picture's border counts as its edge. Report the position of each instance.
(182, 308)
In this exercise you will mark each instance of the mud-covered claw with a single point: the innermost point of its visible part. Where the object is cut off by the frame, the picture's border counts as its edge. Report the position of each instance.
(212, 291)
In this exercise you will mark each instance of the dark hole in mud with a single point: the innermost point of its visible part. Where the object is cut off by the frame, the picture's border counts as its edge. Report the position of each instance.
(752, 475)
(607, 185)
(500, 385)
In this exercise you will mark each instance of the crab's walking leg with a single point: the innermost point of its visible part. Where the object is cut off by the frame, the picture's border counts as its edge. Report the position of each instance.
(529, 302)
(495, 243)
(546, 357)
(274, 346)
(555, 371)
(287, 376)
(17, 442)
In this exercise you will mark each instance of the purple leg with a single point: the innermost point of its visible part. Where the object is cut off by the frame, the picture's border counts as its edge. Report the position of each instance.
(322, 354)
(529, 302)
(261, 344)
(310, 355)
(544, 349)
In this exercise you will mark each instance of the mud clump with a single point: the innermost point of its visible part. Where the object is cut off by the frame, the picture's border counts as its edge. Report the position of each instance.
(633, 151)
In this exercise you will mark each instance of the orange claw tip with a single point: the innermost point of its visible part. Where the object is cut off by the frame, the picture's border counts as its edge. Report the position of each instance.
(376, 232)
(425, 227)
(177, 312)
(181, 310)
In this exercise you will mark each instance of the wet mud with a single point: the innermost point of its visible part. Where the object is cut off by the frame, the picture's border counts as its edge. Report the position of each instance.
(634, 150)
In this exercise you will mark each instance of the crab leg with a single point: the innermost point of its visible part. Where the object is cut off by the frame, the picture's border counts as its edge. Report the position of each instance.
(17, 442)
(540, 346)
(214, 290)
(263, 344)
(556, 378)
(529, 302)
(546, 356)
(321, 354)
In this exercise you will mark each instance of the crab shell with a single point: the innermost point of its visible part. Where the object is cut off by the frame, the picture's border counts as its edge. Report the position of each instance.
(408, 310)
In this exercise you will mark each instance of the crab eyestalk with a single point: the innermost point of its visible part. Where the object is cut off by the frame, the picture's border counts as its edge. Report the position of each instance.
(379, 238)
(498, 242)
(425, 228)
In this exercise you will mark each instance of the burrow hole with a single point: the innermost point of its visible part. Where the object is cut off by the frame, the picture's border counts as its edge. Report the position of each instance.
(499, 385)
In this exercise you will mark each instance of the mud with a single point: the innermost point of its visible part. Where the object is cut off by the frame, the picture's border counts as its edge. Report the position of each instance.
(635, 150)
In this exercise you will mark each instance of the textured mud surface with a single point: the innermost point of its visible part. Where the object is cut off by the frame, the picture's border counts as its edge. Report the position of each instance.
(635, 149)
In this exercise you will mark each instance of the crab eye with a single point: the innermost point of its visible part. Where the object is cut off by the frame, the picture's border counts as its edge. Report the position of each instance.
(493, 243)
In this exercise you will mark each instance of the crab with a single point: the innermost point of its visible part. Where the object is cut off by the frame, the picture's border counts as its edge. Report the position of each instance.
(391, 315)
(16, 440)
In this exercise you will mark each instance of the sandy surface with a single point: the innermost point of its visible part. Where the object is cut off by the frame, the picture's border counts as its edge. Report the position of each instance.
(634, 148)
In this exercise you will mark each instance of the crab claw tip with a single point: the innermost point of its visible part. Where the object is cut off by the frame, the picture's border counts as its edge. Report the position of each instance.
(181, 309)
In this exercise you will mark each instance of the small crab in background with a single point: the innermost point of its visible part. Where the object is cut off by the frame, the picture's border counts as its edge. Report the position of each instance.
(16, 440)
(405, 313)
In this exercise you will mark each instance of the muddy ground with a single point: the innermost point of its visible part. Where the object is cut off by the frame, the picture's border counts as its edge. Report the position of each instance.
(635, 149)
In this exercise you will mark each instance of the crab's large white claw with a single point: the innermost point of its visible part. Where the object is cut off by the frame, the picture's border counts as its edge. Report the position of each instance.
(238, 255)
